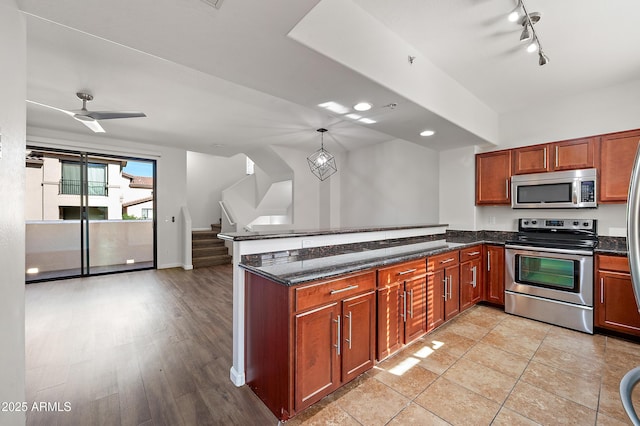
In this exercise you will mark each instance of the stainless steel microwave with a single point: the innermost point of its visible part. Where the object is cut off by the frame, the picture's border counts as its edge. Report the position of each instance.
(573, 189)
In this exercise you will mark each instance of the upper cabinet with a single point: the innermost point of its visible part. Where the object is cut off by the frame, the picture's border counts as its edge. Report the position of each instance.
(566, 155)
(493, 174)
(617, 154)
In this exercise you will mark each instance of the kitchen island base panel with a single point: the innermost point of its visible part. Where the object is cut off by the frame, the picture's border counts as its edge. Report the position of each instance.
(568, 315)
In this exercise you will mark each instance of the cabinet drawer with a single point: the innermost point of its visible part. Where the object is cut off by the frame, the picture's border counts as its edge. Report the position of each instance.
(443, 260)
(320, 292)
(613, 263)
(470, 253)
(401, 272)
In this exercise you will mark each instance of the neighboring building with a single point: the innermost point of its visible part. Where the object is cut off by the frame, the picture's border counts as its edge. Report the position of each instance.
(53, 189)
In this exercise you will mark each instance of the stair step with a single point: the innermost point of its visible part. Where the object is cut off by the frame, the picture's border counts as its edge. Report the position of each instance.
(206, 243)
(203, 235)
(209, 251)
(216, 227)
(211, 261)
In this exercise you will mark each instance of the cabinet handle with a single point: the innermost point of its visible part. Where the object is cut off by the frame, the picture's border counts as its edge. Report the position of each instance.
(556, 155)
(473, 275)
(408, 271)
(337, 345)
(445, 288)
(403, 313)
(451, 259)
(350, 324)
(488, 261)
(450, 287)
(411, 303)
(351, 287)
(545, 158)
(601, 290)
(506, 188)
(473, 253)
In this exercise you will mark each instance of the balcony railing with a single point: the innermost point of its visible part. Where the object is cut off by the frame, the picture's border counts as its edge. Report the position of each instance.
(72, 187)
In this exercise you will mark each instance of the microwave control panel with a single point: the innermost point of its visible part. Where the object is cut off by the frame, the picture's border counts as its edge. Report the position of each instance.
(588, 191)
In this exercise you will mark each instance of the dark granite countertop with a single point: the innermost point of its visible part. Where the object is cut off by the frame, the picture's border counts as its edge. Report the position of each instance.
(298, 272)
(612, 245)
(245, 236)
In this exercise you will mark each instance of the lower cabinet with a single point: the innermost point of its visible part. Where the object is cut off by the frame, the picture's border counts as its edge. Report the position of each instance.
(471, 282)
(401, 309)
(615, 303)
(443, 288)
(493, 269)
(304, 342)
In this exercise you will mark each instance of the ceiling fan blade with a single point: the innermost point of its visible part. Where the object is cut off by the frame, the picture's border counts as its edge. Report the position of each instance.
(51, 107)
(108, 115)
(90, 123)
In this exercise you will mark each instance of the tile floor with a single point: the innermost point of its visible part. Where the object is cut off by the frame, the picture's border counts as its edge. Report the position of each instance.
(487, 367)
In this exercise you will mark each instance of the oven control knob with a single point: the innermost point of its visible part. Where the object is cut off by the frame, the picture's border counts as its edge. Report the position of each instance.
(585, 224)
(533, 222)
(576, 223)
(526, 222)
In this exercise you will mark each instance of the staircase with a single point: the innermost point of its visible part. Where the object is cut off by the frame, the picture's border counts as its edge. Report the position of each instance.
(207, 249)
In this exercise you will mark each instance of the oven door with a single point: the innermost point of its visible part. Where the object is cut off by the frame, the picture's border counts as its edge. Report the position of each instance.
(555, 274)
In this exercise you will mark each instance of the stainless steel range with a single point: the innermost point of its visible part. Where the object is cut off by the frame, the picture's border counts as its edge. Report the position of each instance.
(549, 272)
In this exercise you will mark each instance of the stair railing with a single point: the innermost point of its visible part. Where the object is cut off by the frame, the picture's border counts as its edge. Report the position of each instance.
(228, 217)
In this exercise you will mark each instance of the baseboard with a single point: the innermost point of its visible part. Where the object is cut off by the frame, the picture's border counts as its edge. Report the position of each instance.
(187, 267)
(170, 265)
(236, 378)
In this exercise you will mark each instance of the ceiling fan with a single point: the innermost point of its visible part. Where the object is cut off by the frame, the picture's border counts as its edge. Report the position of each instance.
(90, 118)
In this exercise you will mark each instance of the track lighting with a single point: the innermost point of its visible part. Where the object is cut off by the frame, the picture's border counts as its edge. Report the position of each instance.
(527, 20)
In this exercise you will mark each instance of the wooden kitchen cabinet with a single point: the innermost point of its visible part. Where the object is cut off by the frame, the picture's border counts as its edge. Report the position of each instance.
(471, 282)
(617, 154)
(443, 288)
(615, 303)
(553, 157)
(493, 174)
(303, 342)
(493, 260)
(402, 303)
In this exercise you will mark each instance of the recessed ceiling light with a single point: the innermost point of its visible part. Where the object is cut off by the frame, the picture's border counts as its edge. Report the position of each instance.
(427, 133)
(367, 120)
(353, 116)
(362, 106)
(334, 107)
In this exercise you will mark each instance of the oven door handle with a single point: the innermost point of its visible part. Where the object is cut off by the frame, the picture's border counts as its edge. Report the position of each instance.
(549, 250)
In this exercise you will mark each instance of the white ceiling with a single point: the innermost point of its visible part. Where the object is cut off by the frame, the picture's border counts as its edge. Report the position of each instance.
(224, 81)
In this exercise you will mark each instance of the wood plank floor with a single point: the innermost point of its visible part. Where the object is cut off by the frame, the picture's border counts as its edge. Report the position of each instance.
(139, 348)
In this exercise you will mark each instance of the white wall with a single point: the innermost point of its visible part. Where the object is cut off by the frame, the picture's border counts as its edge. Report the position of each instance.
(171, 164)
(392, 183)
(596, 112)
(12, 187)
(207, 176)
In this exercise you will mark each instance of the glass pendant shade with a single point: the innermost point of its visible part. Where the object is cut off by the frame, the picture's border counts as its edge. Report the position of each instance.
(321, 162)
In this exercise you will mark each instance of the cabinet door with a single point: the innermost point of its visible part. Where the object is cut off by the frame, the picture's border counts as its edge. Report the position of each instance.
(493, 171)
(358, 335)
(416, 298)
(617, 153)
(435, 299)
(390, 321)
(531, 159)
(470, 283)
(574, 154)
(494, 274)
(452, 302)
(616, 304)
(317, 354)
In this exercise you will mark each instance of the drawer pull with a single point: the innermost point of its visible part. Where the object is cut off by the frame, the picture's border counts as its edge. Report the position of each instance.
(473, 253)
(451, 259)
(351, 287)
(408, 271)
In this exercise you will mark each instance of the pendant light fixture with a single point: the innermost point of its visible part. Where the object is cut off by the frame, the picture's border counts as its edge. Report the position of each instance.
(321, 162)
(527, 20)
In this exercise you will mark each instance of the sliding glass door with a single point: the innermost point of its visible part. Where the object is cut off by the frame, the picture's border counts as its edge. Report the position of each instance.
(87, 214)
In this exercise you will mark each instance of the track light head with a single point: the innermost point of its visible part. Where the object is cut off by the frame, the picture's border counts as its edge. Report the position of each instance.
(526, 35)
(543, 59)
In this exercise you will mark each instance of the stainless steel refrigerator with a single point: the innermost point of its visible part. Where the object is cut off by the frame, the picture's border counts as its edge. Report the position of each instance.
(633, 248)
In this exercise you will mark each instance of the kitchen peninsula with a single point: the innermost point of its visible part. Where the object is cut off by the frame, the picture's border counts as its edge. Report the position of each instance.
(306, 290)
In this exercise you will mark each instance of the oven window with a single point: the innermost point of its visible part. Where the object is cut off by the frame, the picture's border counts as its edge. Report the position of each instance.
(560, 274)
(548, 193)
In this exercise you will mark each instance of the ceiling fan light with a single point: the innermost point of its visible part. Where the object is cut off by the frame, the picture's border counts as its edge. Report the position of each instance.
(543, 59)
